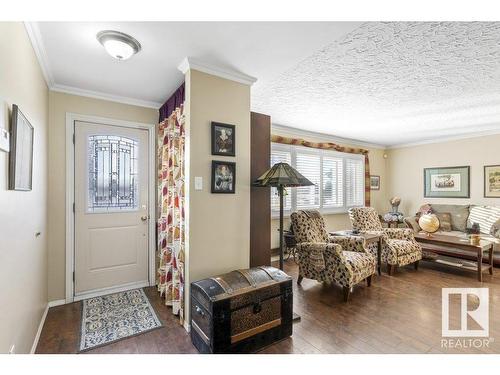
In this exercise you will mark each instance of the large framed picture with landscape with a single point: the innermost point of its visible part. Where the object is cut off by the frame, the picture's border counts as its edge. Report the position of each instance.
(447, 182)
(492, 181)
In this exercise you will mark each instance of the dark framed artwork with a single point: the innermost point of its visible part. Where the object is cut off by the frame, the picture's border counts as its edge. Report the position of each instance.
(21, 152)
(447, 182)
(223, 139)
(374, 182)
(492, 181)
(223, 177)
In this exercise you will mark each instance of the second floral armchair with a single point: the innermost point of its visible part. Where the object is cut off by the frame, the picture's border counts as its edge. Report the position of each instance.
(399, 246)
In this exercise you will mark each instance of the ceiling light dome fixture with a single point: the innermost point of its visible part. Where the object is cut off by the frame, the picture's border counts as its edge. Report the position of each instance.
(119, 45)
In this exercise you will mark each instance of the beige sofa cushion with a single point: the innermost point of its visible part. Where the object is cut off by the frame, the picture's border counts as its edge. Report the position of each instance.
(486, 216)
(459, 214)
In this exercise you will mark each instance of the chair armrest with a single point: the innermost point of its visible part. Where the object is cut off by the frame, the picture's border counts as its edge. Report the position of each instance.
(412, 223)
(321, 246)
(349, 243)
(329, 250)
(399, 234)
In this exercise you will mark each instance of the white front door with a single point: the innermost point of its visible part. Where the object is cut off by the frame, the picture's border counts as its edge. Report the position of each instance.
(111, 208)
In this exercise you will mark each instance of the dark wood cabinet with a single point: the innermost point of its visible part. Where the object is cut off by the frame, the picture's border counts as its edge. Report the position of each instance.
(260, 198)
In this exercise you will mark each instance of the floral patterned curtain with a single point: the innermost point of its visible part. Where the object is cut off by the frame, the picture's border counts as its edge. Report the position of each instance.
(331, 146)
(171, 233)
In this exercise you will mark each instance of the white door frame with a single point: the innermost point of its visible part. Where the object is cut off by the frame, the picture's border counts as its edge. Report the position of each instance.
(70, 198)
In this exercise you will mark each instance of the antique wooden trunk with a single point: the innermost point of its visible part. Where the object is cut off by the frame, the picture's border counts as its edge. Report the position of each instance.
(241, 311)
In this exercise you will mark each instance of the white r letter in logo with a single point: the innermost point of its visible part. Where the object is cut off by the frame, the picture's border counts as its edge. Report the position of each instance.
(480, 314)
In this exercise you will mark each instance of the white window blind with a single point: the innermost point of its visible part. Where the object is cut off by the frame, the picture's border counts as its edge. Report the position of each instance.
(355, 182)
(339, 179)
(333, 182)
(309, 165)
(280, 156)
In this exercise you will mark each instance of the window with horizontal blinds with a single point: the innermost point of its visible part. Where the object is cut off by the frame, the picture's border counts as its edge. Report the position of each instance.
(355, 182)
(309, 165)
(280, 156)
(339, 179)
(333, 182)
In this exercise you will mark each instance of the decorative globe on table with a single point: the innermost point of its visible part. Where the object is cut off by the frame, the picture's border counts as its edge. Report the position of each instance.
(429, 223)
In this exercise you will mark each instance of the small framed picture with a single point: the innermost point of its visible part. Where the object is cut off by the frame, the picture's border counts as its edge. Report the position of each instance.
(374, 182)
(447, 182)
(223, 177)
(223, 139)
(492, 181)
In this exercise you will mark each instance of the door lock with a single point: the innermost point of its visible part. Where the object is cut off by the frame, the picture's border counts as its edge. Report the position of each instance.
(145, 217)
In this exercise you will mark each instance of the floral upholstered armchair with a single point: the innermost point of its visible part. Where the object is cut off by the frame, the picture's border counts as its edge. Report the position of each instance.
(321, 257)
(399, 247)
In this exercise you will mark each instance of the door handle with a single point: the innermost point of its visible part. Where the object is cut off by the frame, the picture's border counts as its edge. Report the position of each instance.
(145, 217)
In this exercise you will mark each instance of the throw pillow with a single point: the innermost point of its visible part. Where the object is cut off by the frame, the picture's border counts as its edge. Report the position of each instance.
(495, 229)
(444, 221)
(485, 216)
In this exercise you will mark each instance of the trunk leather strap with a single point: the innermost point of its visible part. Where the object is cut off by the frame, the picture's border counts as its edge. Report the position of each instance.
(223, 284)
(263, 268)
(249, 277)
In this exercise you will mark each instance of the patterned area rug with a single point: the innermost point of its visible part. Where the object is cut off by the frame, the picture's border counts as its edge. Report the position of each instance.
(116, 316)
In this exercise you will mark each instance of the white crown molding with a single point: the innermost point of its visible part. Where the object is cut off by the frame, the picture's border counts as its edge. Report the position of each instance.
(195, 64)
(41, 54)
(444, 139)
(103, 96)
(288, 131)
(37, 44)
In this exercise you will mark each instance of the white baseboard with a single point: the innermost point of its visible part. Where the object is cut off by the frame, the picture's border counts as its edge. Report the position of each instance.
(187, 326)
(39, 331)
(57, 302)
(50, 304)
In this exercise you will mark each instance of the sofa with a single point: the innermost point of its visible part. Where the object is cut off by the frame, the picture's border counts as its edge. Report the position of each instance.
(462, 217)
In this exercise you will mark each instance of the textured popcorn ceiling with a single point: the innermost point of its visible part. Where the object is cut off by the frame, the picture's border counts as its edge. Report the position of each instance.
(393, 83)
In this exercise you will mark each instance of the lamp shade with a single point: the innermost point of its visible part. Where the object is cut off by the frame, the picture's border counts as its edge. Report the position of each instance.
(282, 174)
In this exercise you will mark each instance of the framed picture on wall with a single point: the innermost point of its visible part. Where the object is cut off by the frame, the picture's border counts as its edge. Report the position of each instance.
(492, 181)
(21, 152)
(447, 182)
(374, 182)
(223, 177)
(223, 139)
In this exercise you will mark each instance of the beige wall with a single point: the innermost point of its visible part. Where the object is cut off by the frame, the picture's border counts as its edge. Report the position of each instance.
(23, 257)
(59, 104)
(379, 198)
(406, 167)
(219, 224)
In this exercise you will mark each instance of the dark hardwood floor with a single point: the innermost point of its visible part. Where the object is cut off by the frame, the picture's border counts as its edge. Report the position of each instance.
(397, 314)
